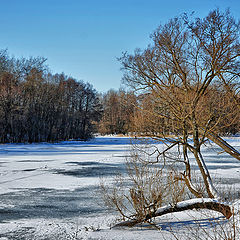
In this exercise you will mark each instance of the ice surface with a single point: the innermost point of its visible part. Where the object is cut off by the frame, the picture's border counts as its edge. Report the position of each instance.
(50, 191)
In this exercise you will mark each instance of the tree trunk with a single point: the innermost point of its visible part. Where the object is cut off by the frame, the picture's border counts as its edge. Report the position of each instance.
(224, 145)
(211, 190)
(198, 203)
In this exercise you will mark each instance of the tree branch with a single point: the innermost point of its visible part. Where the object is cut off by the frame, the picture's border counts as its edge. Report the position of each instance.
(197, 203)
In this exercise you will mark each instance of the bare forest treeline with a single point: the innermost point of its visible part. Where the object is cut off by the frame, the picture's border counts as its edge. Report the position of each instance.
(37, 106)
(127, 113)
(118, 110)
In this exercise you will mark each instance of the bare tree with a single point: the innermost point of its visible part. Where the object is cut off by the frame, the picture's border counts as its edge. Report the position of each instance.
(191, 72)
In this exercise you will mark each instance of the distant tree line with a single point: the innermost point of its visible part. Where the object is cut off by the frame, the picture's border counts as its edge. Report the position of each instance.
(37, 106)
(144, 114)
(118, 111)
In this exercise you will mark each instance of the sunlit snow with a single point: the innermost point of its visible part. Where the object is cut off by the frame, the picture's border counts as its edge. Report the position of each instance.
(51, 191)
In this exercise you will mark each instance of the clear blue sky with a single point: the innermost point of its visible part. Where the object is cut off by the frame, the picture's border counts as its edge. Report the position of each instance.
(84, 38)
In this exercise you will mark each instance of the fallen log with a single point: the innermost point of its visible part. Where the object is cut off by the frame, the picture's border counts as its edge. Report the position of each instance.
(198, 203)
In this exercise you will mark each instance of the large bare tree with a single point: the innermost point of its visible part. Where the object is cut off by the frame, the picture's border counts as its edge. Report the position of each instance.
(191, 73)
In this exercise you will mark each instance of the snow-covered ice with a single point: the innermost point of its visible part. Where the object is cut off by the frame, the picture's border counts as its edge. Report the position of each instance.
(50, 191)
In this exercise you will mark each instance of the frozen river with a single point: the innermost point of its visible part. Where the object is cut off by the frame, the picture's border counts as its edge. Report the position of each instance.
(45, 182)
(50, 191)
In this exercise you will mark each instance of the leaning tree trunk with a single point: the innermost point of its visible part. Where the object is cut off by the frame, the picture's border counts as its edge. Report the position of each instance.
(211, 190)
(224, 145)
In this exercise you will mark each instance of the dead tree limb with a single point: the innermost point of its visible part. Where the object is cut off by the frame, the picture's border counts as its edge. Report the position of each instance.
(198, 203)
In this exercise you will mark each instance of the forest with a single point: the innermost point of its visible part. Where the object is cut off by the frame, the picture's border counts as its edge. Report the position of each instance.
(37, 106)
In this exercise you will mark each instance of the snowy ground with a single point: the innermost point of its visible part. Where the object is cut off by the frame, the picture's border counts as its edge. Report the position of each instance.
(50, 191)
